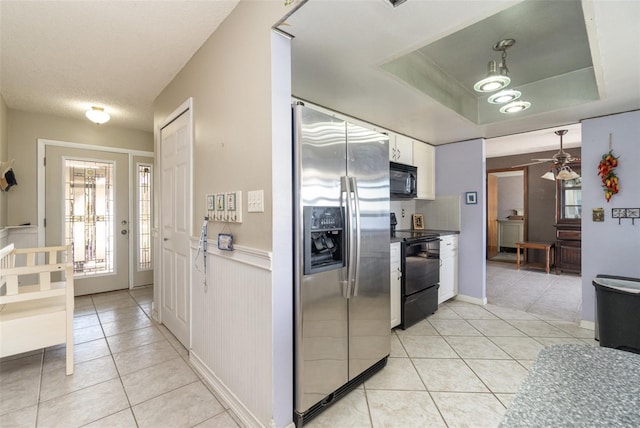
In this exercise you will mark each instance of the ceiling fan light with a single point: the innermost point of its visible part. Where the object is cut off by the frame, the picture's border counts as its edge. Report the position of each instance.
(565, 174)
(515, 107)
(97, 115)
(505, 96)
(493, 81)
(549, 176)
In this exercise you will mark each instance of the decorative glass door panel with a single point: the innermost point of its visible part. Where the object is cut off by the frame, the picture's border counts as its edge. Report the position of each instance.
(87, 207)
(144, 217)
(89, 215)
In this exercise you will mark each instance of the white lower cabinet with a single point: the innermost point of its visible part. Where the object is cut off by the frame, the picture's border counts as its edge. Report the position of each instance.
(448, 267)
(395, 281)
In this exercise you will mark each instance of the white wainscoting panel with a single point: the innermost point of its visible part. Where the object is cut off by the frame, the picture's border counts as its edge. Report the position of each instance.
(231, 330)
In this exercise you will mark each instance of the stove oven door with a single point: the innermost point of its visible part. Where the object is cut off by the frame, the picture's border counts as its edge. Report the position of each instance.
(421, 266)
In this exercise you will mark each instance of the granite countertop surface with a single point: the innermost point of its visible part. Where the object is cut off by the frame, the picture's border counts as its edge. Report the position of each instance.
(578, 386)
(440, 232)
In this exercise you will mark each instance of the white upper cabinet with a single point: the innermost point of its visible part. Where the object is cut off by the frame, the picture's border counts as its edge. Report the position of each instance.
(400, 149)
(424, 157)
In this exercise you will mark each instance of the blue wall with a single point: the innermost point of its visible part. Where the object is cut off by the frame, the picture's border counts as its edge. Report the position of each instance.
(460, 168)
(609, 247)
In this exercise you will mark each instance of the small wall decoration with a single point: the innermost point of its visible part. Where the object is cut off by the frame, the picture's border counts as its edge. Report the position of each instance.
(620, 213)
(598, 214)
(471, 198)
(610, 182)
(225, 241)
(418, 221)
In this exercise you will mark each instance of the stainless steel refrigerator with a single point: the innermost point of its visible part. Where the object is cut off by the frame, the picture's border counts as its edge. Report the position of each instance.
(341, 220)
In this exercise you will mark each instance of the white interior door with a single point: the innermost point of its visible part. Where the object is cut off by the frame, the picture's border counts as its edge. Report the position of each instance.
(175, 152)
(142, 223)
(87, 206)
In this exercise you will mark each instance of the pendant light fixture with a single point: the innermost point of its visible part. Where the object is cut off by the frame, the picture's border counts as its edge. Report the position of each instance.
(504, 96)
(97, 115)
(498, 75)
(515, 107)
(498, 79)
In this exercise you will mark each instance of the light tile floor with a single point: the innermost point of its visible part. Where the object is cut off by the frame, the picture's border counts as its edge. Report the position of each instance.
(462, 366)
(458, 368)
(129, 372)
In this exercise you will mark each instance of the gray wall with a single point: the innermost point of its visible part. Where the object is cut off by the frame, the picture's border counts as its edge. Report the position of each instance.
(609, 247)
(461, 169)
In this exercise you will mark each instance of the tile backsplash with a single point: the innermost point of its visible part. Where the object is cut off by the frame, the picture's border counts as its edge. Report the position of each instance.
(409, 207)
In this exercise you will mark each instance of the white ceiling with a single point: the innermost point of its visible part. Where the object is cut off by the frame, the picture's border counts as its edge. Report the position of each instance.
(60, 57)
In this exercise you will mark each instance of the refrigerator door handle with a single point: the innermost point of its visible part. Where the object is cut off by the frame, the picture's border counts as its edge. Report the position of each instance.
(346, 188)
(356, 204)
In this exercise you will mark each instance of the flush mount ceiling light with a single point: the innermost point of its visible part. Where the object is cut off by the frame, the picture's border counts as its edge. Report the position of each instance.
(504, 96)
(498, 75)
(97, 115)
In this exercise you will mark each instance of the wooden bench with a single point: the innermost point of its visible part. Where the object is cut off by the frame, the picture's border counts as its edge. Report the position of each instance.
(548, 247)
(40, 314)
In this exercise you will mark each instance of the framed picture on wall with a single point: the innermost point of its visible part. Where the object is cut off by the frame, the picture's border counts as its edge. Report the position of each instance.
(471, 198)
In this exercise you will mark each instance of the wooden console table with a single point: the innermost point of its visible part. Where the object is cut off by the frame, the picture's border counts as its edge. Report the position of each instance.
(548, 247)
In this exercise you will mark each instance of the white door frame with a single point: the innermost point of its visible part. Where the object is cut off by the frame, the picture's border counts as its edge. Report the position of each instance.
(185, 107)
(41, 152)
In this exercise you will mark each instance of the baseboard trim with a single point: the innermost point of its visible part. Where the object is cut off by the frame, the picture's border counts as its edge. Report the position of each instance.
(240, 411)
(469, 299)
(589, 325)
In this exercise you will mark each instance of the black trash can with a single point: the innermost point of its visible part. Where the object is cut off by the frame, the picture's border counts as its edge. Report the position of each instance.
(618, 312)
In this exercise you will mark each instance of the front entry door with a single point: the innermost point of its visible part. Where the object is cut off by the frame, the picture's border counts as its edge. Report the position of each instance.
(175, 197)
(87, 206)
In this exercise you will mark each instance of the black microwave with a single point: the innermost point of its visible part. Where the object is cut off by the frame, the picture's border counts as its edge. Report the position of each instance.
(402, 180)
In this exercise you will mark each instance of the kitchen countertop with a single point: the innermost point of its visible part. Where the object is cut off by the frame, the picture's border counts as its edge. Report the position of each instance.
(578, 385)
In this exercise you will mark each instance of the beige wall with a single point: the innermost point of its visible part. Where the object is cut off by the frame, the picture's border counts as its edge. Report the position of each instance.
(4, 155)
(24, 129)
(229, 79)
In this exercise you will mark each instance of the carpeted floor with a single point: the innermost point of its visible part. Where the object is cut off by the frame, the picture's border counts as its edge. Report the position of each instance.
(504, 257)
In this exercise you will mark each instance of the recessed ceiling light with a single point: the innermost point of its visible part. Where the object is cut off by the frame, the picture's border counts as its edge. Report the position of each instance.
(515, 107)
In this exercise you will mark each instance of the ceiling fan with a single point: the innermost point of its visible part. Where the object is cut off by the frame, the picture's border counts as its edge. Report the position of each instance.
(560, 159)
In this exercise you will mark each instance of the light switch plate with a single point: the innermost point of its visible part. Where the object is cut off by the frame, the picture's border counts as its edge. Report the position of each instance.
(255, 201)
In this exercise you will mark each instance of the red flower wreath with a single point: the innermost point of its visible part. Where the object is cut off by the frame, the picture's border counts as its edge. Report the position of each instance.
(609, 179)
